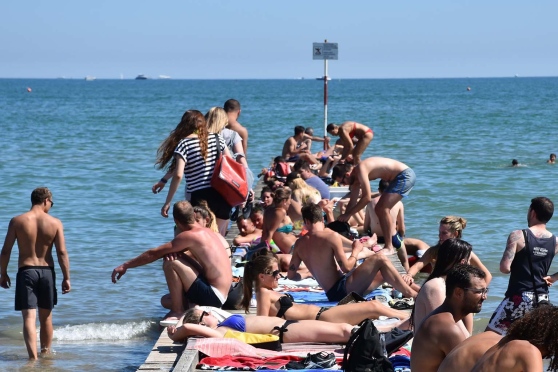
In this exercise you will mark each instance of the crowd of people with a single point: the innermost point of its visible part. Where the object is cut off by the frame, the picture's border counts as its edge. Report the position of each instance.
(344, 245)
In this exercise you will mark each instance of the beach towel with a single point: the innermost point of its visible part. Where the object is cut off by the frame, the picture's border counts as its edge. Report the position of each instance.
(245, 363)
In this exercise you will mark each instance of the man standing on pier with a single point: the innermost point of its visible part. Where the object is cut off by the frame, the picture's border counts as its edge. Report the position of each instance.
(232, 108)
(348, 132)
(36, 232)
(401, 180)
(195, 263)
(527, 262)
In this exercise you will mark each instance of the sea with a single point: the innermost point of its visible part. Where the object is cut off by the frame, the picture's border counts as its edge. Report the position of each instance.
(93, 143)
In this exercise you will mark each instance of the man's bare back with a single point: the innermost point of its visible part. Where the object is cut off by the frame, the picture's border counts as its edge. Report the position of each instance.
(206, 248)
(464, 356)
(514, 356)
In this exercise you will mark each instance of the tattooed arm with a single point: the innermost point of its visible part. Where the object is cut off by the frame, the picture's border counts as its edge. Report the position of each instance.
(515, 240)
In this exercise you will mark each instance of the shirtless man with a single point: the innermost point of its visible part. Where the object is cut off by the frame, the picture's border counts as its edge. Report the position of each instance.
(232, 108)
(348, 131)
(36, 231)
(439, 333)
(248, 231)
(296, 148)
(322, 251)
(401, 180)
(397, 215)
(464, 356)
(202, 270)
(528, 341)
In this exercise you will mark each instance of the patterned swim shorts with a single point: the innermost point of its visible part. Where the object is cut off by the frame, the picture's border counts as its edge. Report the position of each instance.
(511, 309)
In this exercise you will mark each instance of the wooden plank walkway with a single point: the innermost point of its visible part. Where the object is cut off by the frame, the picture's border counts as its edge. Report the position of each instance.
(169, 356)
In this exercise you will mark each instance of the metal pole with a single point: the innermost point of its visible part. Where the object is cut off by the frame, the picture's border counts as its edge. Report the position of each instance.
(325, 95)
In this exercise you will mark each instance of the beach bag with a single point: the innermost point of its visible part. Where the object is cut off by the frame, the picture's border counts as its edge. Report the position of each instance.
(229, 178)
(265, 341)
(363, 352)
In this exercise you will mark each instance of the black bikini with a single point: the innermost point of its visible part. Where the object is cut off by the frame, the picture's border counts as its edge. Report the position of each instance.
(286, 303)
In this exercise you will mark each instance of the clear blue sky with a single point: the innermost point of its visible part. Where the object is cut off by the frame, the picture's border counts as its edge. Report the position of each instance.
(273, 39)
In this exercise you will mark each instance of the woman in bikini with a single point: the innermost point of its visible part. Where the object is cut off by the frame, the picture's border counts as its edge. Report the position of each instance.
(277, 224)
(263, 272)
(348, 131)
(450, 227)
(201, 323)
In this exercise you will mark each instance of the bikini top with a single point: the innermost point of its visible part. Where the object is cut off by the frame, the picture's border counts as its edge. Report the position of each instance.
(236, 322)
(285, 229)
(285, 302)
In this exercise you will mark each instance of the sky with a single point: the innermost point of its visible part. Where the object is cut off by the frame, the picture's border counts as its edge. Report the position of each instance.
(225, 39)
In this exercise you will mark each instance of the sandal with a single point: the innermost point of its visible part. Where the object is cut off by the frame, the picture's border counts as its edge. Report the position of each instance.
(402, 304)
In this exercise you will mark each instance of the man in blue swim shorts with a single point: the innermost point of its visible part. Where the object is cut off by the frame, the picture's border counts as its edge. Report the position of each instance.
(197, 267)
(36, 232)
(321, 249)
(401, 180)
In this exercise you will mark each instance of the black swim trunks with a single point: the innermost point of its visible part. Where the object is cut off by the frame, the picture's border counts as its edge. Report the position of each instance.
(203, 294)
(35, 287)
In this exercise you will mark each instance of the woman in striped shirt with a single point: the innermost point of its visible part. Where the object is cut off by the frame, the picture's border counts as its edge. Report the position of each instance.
(192, 153)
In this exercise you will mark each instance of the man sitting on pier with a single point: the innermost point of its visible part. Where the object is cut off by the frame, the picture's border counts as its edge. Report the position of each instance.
(195, 264)
(296, 148)
(322, 251)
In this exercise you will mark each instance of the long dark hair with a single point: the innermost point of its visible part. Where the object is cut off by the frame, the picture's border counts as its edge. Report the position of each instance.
(192, 121)
(450, 253)
(260, 264)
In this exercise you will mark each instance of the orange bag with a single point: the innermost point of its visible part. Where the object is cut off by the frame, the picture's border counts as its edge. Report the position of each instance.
(229, 178)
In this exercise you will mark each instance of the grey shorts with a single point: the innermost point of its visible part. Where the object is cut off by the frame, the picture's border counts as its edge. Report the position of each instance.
(402, 183)
(35, 287)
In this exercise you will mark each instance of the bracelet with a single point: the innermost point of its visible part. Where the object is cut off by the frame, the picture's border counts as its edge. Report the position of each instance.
(353, 257)
(163, 180)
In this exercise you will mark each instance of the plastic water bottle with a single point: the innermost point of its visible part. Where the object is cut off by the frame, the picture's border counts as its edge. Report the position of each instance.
(383, 344)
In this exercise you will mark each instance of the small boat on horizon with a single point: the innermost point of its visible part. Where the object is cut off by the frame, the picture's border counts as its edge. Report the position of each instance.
(322, 78)
(90, 78)
(141, 77)
(164, 77)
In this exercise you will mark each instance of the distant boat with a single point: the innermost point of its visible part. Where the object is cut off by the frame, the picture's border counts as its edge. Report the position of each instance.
(322, 78)
(164, 77)
(90, 78)
(141, 77)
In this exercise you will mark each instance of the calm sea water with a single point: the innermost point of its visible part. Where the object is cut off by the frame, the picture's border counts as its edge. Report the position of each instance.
(93, 144)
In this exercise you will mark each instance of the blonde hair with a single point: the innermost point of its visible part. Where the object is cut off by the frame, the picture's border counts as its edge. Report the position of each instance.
(217, 119)
(203, 209)
(304, 193)
(455, 223)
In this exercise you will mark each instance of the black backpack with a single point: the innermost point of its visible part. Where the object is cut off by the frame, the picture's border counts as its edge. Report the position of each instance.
(363, 352)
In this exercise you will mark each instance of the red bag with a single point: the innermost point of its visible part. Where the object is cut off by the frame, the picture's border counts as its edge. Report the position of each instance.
(229, 178)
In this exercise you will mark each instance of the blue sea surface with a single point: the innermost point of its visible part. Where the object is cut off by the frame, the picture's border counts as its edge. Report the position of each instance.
(93, 143)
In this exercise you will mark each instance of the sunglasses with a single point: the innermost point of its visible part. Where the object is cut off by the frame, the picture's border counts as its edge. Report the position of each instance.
(51, 203)
(483, 291)
(204, 313)
(274, 273)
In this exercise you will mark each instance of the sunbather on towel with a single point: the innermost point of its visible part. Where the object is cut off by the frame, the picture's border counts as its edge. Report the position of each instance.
(201, 323)
(263, 272)
(322, 252)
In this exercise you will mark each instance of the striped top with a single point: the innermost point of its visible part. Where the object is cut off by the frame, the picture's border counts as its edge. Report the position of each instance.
(197, 171)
